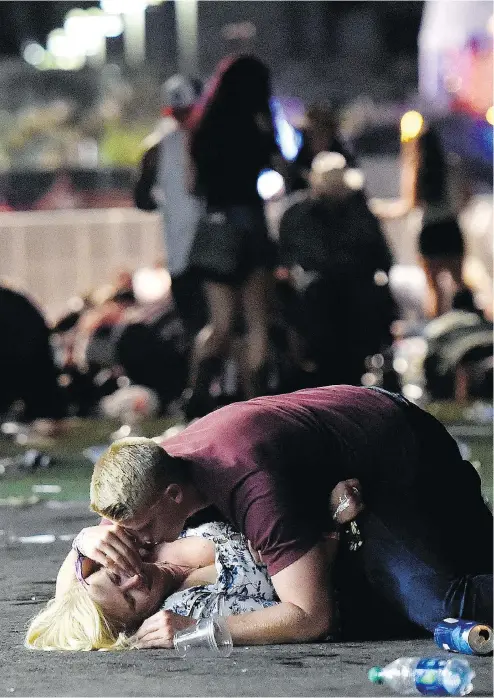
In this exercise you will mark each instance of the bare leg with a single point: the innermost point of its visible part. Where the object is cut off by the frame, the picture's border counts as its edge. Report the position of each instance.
(255, 301)
(435, 301)
(455, 268)
(209, 349)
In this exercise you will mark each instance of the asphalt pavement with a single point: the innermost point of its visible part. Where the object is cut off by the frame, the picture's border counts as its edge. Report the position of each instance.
(27, 576)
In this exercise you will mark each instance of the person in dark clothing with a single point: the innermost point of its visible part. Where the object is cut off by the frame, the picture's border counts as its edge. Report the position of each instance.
(270, 465)
(330, 239)
(27, 368)
(232, 141)
(319, 134)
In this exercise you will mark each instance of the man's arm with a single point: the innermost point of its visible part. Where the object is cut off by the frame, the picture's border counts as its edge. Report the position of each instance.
(305, 611)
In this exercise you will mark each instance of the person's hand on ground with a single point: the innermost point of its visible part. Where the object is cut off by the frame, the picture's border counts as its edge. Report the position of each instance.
(345, 502)
(110, 546)
(158, 630)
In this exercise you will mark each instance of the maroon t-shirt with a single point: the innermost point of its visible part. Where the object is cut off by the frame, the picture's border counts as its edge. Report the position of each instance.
(269, 464)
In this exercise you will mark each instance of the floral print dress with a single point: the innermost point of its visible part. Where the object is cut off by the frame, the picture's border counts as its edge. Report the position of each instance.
(242, 585)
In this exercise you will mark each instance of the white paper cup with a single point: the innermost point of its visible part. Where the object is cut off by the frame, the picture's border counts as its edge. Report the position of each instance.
(209, 637)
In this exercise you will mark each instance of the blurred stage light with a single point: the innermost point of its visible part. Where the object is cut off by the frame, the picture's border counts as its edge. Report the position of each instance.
(151, 285)
(381, 278)
(59, 44)
(66, 53)
(112, 25)
(34, 53)
(87, 29)
(287, 137)
(354, 179)
(411, 125)
(412, 392)
(270, 184)
(400, 365)
(369, 379)
(489, 116)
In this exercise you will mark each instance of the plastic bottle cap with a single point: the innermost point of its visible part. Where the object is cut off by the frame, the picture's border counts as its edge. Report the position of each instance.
(375, 674)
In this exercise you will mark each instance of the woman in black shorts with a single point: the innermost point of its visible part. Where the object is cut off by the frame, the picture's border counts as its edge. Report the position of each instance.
(232, 141)
(441, 243)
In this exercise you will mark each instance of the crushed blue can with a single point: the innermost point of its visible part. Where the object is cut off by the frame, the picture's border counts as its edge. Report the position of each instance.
(465, 636)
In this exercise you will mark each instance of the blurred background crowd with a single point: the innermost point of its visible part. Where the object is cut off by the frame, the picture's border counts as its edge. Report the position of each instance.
(203, 202)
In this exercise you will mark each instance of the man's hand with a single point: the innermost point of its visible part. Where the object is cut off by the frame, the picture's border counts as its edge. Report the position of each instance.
(345, 502)
(110, 546)
(158, 630)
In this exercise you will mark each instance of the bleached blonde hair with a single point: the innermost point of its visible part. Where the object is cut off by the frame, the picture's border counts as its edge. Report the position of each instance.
(129, 476)
(74, 622)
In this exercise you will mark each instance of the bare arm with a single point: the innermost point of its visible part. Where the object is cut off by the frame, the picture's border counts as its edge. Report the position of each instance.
(189, 552)
(305, 612)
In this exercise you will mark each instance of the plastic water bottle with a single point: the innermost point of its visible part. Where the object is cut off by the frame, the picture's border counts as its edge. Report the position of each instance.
(426, 676)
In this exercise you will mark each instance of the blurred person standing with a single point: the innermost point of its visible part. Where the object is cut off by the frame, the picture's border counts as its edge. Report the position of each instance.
(232, 141)
(163, 184)
(333, 251)
(319, 134)
(441, 244)
(431, 179)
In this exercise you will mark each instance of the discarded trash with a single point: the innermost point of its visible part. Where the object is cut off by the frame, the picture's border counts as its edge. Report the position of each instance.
(10, 428)
(42, 538)
(480, 411)
(28, 462)
(432, 676)
(9, 540)
(58, 504)
(19, 501)
(46, 489)
(464, 636)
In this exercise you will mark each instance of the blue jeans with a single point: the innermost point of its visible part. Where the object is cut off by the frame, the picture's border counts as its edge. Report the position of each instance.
(427, 554)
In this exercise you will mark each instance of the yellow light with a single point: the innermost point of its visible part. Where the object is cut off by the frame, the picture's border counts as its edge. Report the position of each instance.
(489, 116)
(411, 125)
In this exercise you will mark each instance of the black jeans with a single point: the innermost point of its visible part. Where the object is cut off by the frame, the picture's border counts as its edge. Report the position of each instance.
(427, 555)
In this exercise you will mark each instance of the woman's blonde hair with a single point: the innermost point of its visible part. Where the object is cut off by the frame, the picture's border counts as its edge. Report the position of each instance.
(74, 622)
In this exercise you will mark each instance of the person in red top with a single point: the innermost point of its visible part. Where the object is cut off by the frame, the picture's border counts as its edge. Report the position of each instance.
(270, 465)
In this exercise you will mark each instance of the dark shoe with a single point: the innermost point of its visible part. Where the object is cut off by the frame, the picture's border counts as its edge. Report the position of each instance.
(198, 401)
